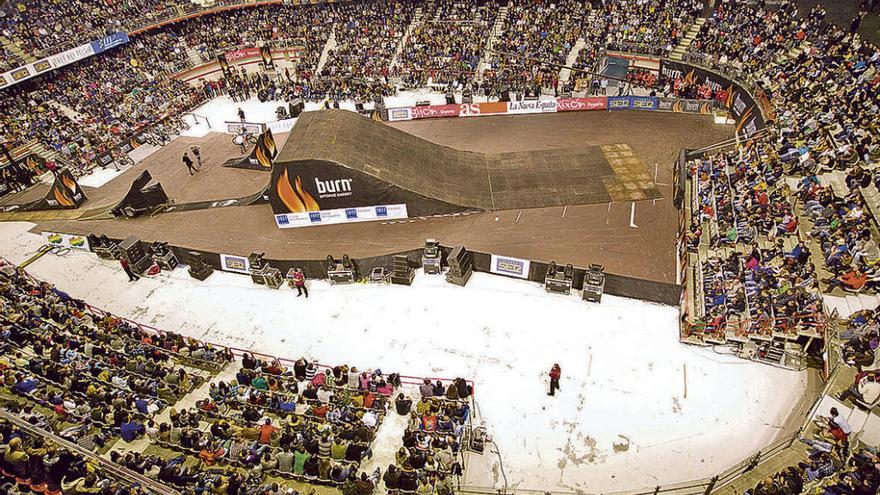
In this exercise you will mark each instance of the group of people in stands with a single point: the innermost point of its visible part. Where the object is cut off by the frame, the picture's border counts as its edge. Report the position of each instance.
(823, 84)
(430, 458)
(830, 465)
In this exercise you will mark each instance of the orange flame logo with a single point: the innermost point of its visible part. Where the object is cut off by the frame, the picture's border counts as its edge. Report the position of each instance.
(742, 120)
(298, 201)
(311, 204)
(69, 182)
(262, 159)
(288, 196)
(62, 198)
(269, 141)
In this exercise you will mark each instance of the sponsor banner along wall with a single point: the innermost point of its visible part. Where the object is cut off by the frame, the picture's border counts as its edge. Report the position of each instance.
(340, 215)
(749, 116)
(235, 56)
(549, 106)
(66, 57)
(511, 267)
(237, 264)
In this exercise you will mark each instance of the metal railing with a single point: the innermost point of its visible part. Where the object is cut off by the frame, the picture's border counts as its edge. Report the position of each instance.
(109, 468)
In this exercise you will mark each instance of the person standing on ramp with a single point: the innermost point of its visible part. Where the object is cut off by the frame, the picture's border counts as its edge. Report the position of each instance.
(189, 163)
(197, 152)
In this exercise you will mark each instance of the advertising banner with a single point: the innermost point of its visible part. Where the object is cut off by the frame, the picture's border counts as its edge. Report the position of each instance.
(643, 103)
(109, 42)
(266, 58)
(237, 264)
(235, 56)
(66, 57)
(72, 55)
(739, 103)
(619, 103)
(340, 215)
(581, 104)
(511, 267)
(531, 106)
(678, 105)
(252, 127)
(695, 75)
(79, 242)
(433, 112)
(397, 114)
(485, 108)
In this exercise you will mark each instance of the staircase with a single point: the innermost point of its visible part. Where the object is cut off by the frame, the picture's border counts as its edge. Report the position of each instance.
(417, 20)
(496, 31)
(325, 53)
(565, 72)
(685, 43)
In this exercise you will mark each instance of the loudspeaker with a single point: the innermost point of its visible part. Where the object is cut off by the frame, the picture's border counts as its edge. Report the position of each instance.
(199, 269)
(164, 256)
(296, 107)
(505, 95)
(450, 99)
(359, 107)
(423, 103)
(134, 253)
(401, 272)
(460, 267)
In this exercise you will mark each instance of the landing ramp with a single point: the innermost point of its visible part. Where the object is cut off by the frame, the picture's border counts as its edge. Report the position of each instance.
(486, 181)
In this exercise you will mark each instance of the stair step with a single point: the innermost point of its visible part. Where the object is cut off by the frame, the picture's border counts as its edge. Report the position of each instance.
(838, 303)
(868, 301)
(855, 305)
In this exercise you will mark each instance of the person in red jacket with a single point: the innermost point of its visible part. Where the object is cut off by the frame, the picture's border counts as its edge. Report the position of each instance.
(131, 275)
(555, 373)
(299, 281)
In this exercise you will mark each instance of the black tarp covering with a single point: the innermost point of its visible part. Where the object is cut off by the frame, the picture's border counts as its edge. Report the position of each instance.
(144, 196)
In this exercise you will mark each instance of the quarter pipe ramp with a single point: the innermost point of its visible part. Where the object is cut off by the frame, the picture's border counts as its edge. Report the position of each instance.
(336, 160)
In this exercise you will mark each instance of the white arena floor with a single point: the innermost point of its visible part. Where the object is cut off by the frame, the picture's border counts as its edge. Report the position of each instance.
(686, 412)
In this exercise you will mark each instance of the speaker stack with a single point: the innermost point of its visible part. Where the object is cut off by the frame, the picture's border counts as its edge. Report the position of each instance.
(104, 247)
(431, 258)
(262, 273)
(401, 272)
(594, 284)
(138, 260)
(296, 107)
(164, 256)
(341, 271)
(460, 266)
(467, 97)
(557, 279)
(199, 269)
(450, 99)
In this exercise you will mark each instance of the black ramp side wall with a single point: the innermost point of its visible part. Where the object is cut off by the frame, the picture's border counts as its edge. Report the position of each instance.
(332, 186)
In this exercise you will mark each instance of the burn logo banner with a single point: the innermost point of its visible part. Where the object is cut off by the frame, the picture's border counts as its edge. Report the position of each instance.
(319, 192)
